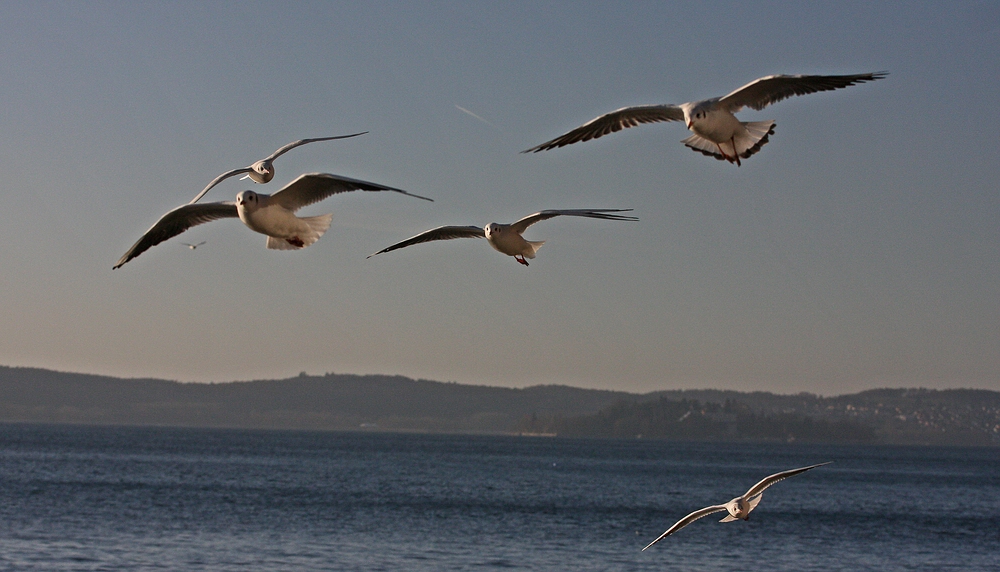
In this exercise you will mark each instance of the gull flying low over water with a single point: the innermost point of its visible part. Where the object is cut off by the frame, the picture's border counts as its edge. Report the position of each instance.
(739, 507)
(506, 238)
(273, 215)
(717, 132)
(263, 171)
(193, 246)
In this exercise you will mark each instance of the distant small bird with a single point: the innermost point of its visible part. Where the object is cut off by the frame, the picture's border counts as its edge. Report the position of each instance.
(506, 238)
(263, 171)
(272, 215)
(739, 507)
(717, 132)
(193, 246)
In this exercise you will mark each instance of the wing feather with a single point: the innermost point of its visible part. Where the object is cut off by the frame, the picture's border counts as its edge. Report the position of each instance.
(439, 233)
(177, 221)
(300, 142)
(688, 520)
(522, 225)
(314, 187)
(615, 121)
(770, 480)
(762, 92)
(218, 180)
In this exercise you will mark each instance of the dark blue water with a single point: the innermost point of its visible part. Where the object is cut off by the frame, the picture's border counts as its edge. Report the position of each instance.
(75, 498)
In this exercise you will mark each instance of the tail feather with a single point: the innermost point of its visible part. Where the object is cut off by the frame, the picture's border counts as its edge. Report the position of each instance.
(729, 518)
(535, 245)
(747, 143)
(757, 137)
(318, 225)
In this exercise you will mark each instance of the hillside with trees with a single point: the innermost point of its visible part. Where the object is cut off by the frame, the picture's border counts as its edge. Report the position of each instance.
(395, 403)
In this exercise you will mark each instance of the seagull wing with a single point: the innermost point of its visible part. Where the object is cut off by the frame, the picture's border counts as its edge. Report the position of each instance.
(439, 233)
(522, 225)
(295, 144)
(314, 187)
(768, 481)
(688, 520)
(176, 222)
(611, 122)
(762, 92)
(218, 180)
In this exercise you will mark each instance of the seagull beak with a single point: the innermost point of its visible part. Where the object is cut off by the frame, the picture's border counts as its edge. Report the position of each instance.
(690, 123)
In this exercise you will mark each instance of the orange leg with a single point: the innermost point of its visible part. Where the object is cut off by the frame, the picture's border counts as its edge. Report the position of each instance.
(735, 152)
(520, 259)
(726, 155)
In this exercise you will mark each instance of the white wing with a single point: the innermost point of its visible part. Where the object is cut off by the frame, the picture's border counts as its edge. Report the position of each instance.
(521, 225)
(176, 222)
(295, 144)
(269, 158)
(439, 233)
(314, 187)
(688, 520)
(615, 121)
(762, 92)
(768, 481)
(218, 180)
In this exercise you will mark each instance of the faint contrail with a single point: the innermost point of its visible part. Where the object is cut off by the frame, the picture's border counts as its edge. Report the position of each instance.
(464, 110)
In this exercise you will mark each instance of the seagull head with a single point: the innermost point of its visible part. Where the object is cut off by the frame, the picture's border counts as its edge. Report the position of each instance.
(247, 201)
(261, 172)
(695, 113)
(492, 228)
(733, 508)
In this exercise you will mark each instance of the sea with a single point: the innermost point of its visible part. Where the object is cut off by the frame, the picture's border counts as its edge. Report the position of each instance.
(132, 498)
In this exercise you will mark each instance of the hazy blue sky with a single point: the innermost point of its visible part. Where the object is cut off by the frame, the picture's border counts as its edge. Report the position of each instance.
(860, 248)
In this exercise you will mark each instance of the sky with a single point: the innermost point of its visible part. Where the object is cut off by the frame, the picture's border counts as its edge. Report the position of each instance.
(859, 249)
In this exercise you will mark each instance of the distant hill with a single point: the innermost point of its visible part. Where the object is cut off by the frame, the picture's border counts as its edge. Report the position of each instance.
(396, 403)
(329, 402)
(887, 416)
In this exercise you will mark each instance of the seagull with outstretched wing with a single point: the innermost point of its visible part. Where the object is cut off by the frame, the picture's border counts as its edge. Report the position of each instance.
(263, 171)
(506, 238)
(272, 215)
(717, 131)
(739, 508)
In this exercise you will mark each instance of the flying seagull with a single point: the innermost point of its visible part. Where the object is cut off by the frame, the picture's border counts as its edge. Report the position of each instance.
(193, 246)
(739, 507)
(506, 238)
(263, 171)
(717, 132)
(272, 215)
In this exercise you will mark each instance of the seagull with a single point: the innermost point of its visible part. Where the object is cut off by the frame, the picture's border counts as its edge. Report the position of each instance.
(739, 507)
(272, 215)
(506, 238)
(717, 132)
(263, 171)
(193, 246)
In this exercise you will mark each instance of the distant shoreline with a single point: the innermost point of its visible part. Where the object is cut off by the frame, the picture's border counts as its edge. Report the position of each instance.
(337, 402)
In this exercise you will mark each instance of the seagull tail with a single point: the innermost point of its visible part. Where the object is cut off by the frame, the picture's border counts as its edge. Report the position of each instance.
(755, 138)
(729, 518)
(318, 226)
(534, 245)
(747, 143)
